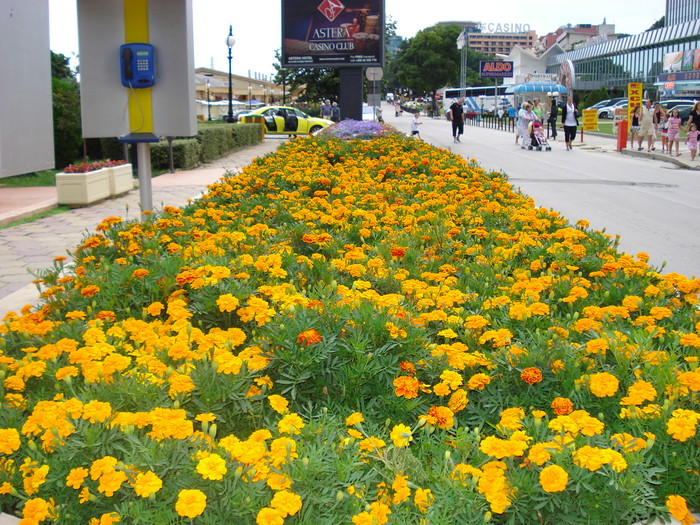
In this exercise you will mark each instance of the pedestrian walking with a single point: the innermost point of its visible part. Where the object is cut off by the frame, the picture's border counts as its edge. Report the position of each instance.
(646, 127)
(456, 115)
(326, 110)
(414, 125)
(569, 117)
(335, 112)
(674, 131)
(552, 120)
(525, 117)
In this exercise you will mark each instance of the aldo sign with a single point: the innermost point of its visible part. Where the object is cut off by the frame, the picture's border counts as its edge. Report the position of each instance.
(495, 69)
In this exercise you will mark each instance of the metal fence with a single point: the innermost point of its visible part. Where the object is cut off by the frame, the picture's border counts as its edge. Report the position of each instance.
(504, 123)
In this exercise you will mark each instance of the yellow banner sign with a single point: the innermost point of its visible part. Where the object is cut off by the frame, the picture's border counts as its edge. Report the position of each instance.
(635, 93)
(590, 120)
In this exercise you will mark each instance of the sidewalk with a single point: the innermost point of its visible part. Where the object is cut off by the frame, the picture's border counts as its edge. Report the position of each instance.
(32, 246)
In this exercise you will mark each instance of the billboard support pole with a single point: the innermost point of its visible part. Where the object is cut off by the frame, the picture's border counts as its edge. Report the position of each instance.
(351, 90)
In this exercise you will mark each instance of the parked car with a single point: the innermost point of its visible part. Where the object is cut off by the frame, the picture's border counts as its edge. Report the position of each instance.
(609, 111)
(672, 103)
(605, 103)
(285, 120)
(683, 111)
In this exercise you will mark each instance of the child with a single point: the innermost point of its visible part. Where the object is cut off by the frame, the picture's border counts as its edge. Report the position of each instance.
(663, 128)
(692, 140)
(674, 131)
(414, 125)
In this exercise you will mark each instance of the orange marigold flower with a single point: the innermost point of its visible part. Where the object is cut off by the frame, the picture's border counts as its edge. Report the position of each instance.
(89, 290)
(678, 508)
(398, 251)
(531, 375)
(562, 406)
(140, 272)
(406, 386)
(309, 337)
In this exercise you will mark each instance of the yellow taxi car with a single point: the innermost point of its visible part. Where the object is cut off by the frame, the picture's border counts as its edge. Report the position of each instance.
(286, 120)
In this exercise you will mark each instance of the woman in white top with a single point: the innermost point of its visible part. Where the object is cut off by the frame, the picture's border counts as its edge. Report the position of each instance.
(569, 117)
(525, 116)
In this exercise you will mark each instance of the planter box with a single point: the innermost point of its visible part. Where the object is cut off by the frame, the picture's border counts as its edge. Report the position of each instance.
(82, 189)
(121, 179)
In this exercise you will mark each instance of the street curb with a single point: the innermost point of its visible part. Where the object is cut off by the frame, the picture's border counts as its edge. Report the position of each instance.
(27, 211)
(660, 156)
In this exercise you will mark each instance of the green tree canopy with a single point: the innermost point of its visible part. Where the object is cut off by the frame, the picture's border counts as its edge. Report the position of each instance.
(430, 60)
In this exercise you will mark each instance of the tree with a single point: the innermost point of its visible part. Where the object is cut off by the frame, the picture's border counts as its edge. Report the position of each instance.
(661, 22)
(67, 130)
(430, 60)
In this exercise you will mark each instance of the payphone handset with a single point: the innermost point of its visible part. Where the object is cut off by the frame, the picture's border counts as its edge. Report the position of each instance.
(137, 65)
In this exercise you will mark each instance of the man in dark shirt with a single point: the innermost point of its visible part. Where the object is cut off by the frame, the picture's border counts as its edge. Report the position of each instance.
(456, 115)
(552, 120)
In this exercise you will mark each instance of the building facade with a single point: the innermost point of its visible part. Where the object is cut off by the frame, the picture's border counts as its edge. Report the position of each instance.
(679, 11)
(639, 58)
(501, 43)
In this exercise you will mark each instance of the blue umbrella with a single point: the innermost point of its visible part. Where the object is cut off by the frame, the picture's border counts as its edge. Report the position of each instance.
(536, 87)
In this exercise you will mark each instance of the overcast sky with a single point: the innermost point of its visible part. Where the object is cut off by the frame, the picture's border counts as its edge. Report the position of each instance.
(256, 23)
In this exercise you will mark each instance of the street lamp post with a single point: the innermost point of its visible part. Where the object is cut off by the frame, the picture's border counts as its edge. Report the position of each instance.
(250, 95)
(208, 102)
(230, 41)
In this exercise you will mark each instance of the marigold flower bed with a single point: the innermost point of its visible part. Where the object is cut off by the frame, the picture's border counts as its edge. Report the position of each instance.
(363, 331)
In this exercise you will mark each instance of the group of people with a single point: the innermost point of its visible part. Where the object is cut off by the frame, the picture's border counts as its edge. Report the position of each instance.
(330, 111)
(531, 112)
(648, 122)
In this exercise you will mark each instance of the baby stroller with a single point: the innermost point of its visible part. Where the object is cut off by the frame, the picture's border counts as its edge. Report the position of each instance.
(537, 138)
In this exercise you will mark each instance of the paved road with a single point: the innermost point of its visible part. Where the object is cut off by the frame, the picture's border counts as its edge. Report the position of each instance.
(653, 206)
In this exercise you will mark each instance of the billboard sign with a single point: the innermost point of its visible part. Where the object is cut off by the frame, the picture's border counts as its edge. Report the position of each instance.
(495, 69)
(332, 33)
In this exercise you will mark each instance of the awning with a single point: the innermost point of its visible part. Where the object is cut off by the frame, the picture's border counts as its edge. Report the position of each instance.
(536, 87)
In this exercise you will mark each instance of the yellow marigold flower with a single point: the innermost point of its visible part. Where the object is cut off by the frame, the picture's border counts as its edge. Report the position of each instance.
(76, 314)
(401, 490)
(279, 404)
(106, 519)
(205, 418)
(476, 322)
(603, 384)
(102, 466)
(363, 518)
(423, 499)
(286, 502)
(401, 435)
(638, 393)
(511, 418)
(155, 308)
(593, 458)
(478, 381)
(269, 516)
(380, 512)
(190, 503)
(111, 482)
(682, 424)
(678, 508)
(36, 510)
(95, 411)
(290, 424)
(371, 444)
(354, 419)
(690, 380)
(458, 400)
(227, 303)
(597, 346)
(147, 483)
(9, 440)
(212, 467)
(75, 477)
(553, 478)
(539, 453)
(502, 448)
(627, 442)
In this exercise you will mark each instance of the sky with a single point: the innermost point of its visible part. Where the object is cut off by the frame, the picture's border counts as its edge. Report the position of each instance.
(257, 23)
